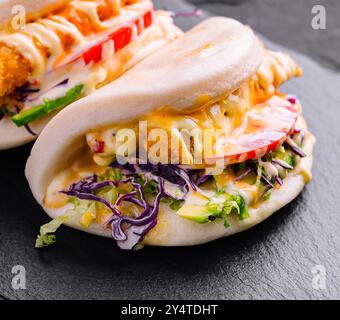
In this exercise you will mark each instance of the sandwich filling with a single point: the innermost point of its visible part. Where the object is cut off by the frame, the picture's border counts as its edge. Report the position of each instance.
(68, 54)
(257, 136)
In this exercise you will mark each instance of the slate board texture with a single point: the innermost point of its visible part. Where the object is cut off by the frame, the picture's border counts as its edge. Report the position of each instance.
(271, 261)
(288, 23)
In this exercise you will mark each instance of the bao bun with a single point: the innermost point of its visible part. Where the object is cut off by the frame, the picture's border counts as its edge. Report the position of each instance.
(213, 60)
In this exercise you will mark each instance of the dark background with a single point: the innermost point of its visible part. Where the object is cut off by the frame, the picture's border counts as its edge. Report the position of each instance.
(287, 22)
(271, 261)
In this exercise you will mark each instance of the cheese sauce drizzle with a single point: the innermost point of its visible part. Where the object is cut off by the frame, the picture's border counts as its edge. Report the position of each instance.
(47, 41)
(228, 115)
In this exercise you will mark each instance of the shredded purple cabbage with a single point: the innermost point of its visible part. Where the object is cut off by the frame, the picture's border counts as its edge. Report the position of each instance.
(282, 164)
(266, 181)
(279, 180)
(292, 100)
(197, 13)
(203, 179)
(62, 83)
(139, 227)
(245, 174)
(30, 131)
(21, 94)
(128, 232)
(26, 90)
(295, 148)
(301, 134)
(172, 173)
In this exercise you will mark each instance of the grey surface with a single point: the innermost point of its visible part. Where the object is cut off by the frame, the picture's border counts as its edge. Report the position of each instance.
(271, 261)
(287, 23)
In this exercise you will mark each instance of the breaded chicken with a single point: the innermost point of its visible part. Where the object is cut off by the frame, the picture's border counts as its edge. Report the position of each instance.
(14, 70)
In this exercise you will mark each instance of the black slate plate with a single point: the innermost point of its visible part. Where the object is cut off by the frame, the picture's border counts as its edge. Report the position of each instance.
(271, 261)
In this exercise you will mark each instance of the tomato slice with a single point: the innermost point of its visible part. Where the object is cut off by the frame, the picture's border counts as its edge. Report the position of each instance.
(121, 38)
(97, 146)
(266, 127)
(94, 54)
(148, 19)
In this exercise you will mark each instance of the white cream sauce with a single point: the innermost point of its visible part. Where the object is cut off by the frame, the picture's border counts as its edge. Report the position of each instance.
(45, 30)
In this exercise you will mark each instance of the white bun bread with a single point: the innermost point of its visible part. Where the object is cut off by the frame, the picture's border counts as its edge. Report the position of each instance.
(34, 9)
(152, 39)
(213, 59)
(173, 76)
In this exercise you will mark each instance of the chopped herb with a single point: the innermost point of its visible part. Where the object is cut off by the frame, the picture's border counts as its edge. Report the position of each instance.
(75, 201)
(267, 195)
(244, 214)
(230, 204)
(111, 174)
(177, 204)
(239, 167)
(289, 159)
(226, 223)
(151, 188)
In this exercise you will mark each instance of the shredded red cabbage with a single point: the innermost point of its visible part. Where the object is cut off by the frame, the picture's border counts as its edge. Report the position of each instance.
(282, 164)
(279, 180)
(243, 175)
(197, 13)
(22, 93)
(292, 100)
(26, 89)
(62, 83)
(266, 181)
(172, 173)
(294, 147)
(30, 131)
(136, 228)
(127, 231)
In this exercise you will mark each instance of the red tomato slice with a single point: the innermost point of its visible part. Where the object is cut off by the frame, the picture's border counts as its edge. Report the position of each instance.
(121, 38)
(148, 19)
(98, 146)
(94, 54)
(266, 127)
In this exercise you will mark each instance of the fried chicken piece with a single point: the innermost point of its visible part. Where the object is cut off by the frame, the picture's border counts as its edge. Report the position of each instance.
(14, 70)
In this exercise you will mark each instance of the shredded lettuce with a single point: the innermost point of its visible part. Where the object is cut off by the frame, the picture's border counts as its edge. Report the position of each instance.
(151, 188)
(176, 204)
(111, 174)
(224, 204)
(220, 206)
(288, 158)
(45, 240)
(267, 195)
(47, 237)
